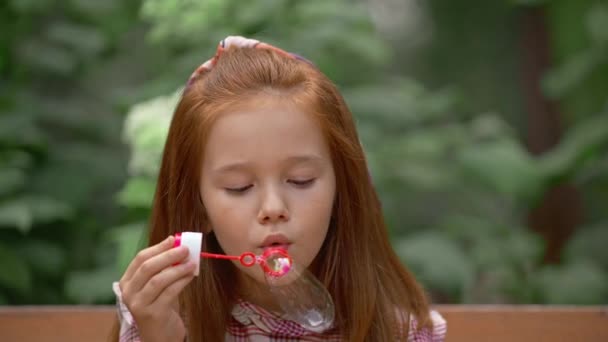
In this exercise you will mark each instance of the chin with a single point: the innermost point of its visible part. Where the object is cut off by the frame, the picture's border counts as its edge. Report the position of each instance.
(253, 273)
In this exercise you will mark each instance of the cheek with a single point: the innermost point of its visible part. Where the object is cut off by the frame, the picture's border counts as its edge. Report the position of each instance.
(317, 214)
(314, 223)
(227, 224)
(319, 208)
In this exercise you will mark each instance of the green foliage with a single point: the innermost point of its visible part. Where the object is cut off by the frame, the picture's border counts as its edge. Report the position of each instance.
(128, 239)
(589, 245)
(65, 80)
(137, 193)
(145, 129)
(581, 283)
(438, 263)
(91, 286)
(580, 49)
(23, 212)
(443, 139)
(455, 186)
(15, 274)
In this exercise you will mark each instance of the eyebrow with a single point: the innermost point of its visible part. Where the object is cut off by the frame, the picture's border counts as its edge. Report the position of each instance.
(299, 159)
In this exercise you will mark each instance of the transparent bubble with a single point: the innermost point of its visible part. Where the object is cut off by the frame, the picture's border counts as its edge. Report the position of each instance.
(300, 294)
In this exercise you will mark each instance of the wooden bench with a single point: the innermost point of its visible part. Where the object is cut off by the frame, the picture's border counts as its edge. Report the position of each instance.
(465, 323)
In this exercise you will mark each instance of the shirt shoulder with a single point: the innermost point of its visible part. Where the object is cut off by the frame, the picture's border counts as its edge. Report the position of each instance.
(437, 334)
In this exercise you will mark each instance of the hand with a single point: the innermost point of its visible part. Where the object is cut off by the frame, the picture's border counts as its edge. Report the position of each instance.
(150, 289)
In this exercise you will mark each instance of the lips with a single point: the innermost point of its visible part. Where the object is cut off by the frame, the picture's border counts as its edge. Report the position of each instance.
(275, 241)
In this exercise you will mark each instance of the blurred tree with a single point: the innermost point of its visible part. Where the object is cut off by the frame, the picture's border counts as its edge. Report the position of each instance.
(456, 186)
(438, 103)
(67, 71)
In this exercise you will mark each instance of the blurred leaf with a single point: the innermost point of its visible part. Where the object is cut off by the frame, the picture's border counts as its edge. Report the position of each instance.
(31, 6)
(16, 214)
(570, 74)
(45, 258)
(399, 103)
(597, 23)
(504, 167)
(145, 129)
(92, 286)
(11, 180)
(45, 209)
(175, 19)
(468, 229)
(438, 262)
(490, 126)
(367, 47)
(529, 2)
(524, 248)
(147, 122)
(129, 239)
(582, 143)
(137, 193)
(62, 174)
(592, 171)
(417, 160)
(251, 14)
(499, 284)
(15, 158)
(23, 211)
(51, 58)
(93, 7)
(20, 129)
(428, 144)
(311, 11)
(488, 253)
(589, 243)
(516, 249)
(87, 41)
(582, 283)
(15, 273)
(423, 175)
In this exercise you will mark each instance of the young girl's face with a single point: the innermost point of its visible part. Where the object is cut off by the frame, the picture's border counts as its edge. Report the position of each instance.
(267, 180)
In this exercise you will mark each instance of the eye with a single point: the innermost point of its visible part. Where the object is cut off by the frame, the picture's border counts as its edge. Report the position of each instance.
(239, 190)
(302, 183)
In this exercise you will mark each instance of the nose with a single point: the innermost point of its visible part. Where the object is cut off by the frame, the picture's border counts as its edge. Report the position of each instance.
(273, 208)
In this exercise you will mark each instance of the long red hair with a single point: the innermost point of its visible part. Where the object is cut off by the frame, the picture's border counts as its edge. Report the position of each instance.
(356, 263)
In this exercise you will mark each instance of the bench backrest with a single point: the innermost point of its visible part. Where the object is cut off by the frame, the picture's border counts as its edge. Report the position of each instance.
(465, 323)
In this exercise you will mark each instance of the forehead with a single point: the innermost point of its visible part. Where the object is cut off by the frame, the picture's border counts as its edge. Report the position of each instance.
(265, 130)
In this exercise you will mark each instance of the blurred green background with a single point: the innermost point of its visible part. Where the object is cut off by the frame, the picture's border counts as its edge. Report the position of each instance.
(485, 125)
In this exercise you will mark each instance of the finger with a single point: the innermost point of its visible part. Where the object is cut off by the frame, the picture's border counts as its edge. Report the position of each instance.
(168, 297)
(162, 280)
(146, 254)
(155, 265)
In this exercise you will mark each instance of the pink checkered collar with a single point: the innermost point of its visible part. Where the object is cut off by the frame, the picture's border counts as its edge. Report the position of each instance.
(249, 314)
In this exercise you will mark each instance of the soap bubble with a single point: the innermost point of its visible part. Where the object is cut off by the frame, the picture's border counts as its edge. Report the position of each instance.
(298, 292)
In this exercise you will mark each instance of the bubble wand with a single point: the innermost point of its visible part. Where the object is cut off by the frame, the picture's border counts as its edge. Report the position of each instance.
(274, 261)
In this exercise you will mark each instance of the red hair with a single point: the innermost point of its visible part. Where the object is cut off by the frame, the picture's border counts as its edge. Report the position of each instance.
(356, 263)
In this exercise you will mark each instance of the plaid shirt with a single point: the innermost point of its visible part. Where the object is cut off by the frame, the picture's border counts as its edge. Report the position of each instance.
(251, 323)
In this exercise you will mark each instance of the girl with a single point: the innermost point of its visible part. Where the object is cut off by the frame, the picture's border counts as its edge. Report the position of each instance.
(262, 150)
